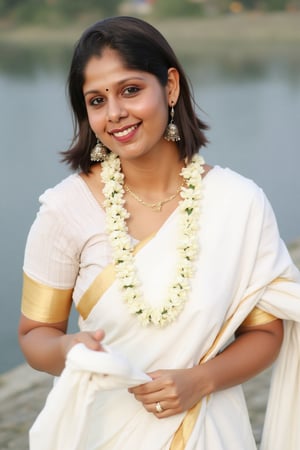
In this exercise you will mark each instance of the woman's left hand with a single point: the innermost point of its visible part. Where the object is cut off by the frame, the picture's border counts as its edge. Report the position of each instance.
(174, 391)
(170, 392)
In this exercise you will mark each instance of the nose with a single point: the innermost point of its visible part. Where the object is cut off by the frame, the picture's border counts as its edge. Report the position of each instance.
(115, 109)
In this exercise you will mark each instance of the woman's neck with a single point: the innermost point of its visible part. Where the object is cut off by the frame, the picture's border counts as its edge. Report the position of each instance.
(160, 175)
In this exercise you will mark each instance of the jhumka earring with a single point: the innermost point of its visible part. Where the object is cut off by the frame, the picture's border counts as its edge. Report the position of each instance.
(99, 152)
(172, 133)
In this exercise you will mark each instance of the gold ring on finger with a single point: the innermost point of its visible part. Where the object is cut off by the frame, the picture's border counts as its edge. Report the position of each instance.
(158, 407)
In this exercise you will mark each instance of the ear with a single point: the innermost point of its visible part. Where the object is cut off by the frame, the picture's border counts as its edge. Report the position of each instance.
(173, 88)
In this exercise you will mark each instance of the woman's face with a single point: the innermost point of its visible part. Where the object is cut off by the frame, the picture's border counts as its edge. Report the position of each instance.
(127, 109)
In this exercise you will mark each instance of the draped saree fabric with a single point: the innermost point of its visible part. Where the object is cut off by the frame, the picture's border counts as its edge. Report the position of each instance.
(85, 373)
(242, 264)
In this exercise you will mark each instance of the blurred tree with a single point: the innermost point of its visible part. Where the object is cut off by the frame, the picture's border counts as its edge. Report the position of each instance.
(109, 7)
(173, 8)
(56, 10)
(7, 5)
(106, 7)
(276, 5)
(249, 4)
(266, 4)
(60, 11)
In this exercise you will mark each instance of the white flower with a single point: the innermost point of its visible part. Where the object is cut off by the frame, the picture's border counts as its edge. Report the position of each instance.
(187, 249)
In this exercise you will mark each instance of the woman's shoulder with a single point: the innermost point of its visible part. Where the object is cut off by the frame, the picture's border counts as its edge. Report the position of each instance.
(227, 179)
(226, 188)
(67, 193)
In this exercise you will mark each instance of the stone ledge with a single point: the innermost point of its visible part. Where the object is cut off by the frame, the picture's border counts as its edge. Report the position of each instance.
(20, 379)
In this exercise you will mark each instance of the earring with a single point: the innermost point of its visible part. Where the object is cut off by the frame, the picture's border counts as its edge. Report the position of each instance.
(99, 152)
(172, 133)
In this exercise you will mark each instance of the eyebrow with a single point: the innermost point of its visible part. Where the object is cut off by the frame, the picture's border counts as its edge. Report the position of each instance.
(125, 80)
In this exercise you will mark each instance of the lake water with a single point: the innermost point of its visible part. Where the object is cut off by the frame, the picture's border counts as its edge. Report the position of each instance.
(251, 99)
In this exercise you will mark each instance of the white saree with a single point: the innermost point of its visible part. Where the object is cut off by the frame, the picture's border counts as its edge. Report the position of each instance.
(242, 264)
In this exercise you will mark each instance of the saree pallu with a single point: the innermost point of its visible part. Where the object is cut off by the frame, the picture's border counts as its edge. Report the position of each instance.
(242, 264)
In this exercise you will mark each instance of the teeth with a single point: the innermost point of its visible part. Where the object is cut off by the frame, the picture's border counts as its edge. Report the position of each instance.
(125, 132)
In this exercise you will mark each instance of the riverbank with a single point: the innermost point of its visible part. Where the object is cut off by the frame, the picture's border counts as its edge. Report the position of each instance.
(248, 28)
(23, 392)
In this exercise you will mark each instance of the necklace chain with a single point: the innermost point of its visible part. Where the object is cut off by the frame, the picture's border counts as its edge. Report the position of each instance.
(156, 206)
(122, 250)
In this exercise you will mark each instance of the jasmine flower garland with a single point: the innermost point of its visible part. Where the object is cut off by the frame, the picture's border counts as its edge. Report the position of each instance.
(123, 258)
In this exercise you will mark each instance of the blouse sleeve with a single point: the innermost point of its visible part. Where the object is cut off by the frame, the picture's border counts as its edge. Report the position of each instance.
(257, 317)
(51, 263)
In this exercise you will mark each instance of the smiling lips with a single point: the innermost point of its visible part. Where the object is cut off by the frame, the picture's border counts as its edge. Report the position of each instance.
(124, 133)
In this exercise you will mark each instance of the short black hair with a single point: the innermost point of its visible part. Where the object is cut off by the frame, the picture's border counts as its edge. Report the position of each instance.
(141, 47)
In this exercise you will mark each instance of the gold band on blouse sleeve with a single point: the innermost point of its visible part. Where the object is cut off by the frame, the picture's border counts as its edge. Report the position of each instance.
(257, 317)
(44, 303)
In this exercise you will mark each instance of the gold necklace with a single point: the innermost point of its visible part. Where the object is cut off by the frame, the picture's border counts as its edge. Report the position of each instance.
(155, 206)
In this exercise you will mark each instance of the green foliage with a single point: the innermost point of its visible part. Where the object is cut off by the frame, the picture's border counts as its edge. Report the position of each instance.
(276, 5)
(56, 11)
(271, 5)
(249, 4)
(8, 5)
(109, 7)
(177, 8)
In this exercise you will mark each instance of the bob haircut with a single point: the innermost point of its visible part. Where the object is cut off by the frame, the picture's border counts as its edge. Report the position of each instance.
(143, 48)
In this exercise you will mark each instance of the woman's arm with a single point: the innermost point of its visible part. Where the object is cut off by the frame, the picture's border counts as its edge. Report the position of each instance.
(45, 345)
(254, 349)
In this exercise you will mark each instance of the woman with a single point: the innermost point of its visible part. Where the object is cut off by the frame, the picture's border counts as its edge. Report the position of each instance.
(169, 262)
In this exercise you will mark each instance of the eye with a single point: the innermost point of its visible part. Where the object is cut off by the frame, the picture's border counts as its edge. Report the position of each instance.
(96, 101)
(131, 90)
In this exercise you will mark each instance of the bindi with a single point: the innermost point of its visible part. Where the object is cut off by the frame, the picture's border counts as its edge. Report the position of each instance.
(107, 90)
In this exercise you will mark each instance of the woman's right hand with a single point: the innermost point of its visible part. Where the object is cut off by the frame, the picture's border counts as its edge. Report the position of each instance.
(91, 339)
(46, 345)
